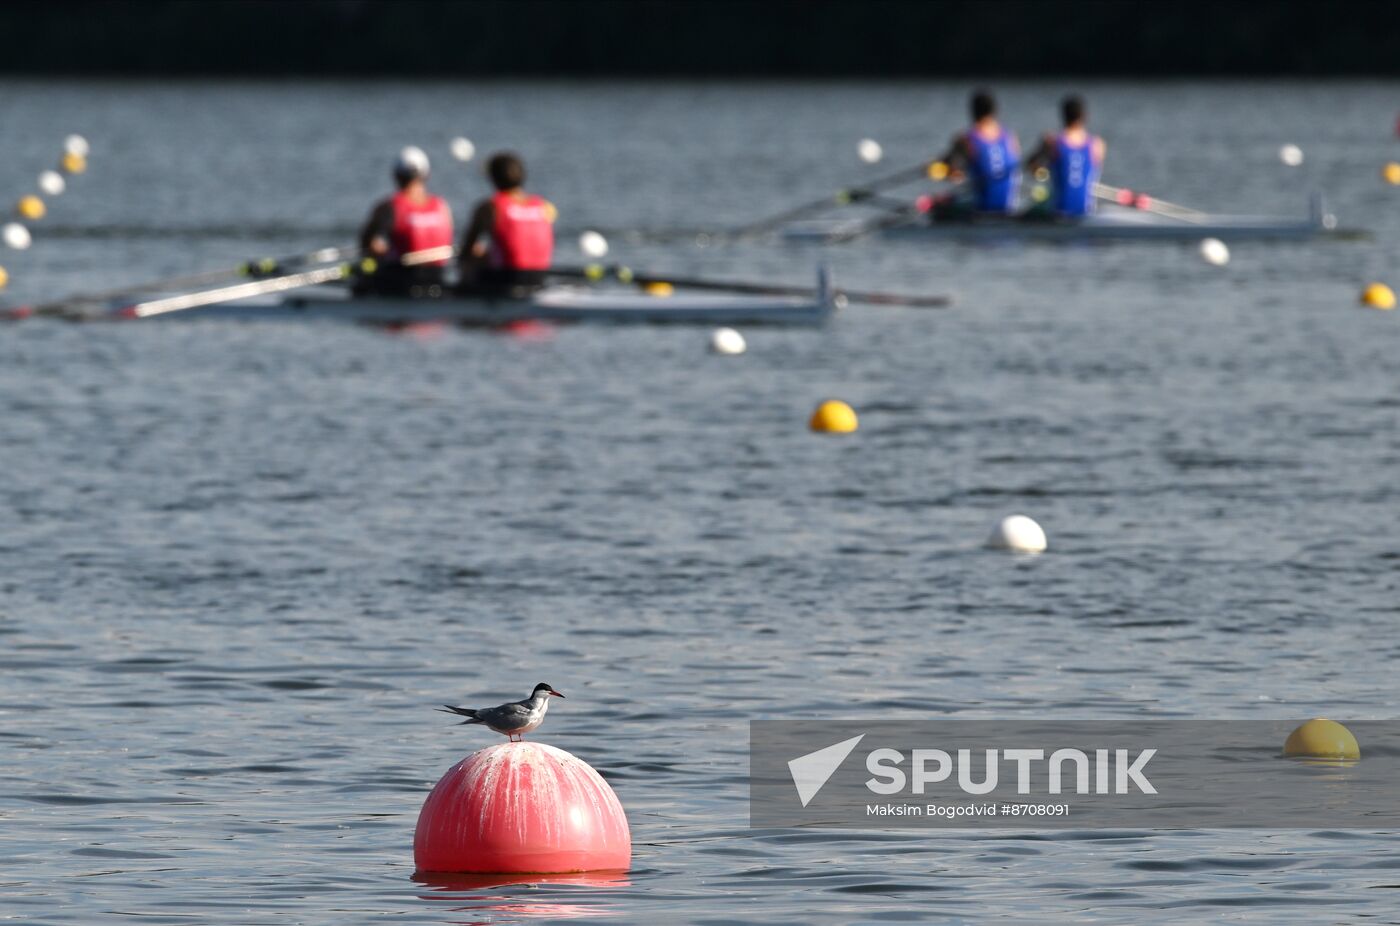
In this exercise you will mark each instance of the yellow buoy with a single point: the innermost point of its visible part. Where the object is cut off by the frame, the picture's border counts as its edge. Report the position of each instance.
(834, 417)
(659, 288)
(938, 171)
(31, 207)
(1391, 173)
(73, 163)
(4, 277)
(1322, 739)
(1378, 296)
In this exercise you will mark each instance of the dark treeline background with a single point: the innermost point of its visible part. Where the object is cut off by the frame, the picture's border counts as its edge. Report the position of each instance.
(694, 38)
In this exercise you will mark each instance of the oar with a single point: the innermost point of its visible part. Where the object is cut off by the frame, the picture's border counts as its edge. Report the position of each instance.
(238, 291)
(279, 284)
(428, 256)
(895, 212)
(936, 170)
(597, 272)
(888, 219)
(1142, 201)
(262, 267)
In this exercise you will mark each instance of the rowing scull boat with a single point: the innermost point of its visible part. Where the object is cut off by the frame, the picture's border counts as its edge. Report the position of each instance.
(552, 304)
(1111, 222)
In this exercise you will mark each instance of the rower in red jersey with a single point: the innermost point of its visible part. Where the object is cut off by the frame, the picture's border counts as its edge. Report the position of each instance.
(408, 235)
(510, 242)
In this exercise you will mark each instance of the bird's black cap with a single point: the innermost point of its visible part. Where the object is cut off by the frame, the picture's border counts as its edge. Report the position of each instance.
(546, 686)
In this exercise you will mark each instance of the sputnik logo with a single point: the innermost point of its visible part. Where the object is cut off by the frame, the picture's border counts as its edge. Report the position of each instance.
(811, 772)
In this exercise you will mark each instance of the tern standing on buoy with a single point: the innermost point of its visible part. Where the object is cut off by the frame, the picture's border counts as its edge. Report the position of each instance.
(514, 719)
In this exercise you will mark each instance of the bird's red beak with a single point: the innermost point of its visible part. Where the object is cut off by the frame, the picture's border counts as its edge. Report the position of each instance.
(555, 693)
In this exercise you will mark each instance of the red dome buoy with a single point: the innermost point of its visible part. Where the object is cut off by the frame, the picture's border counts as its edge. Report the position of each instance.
(465, 881)
(522, 807)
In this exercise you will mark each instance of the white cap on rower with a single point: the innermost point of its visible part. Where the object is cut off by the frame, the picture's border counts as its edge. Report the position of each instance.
(412, 162)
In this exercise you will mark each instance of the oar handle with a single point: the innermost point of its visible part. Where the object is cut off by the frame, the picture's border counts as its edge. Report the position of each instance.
(428, 256)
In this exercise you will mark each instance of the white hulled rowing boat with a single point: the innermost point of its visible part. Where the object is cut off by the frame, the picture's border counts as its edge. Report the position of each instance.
(552, 304)
(1111, 222)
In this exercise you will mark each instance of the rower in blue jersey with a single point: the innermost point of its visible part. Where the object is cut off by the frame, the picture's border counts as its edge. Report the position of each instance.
(1074, 159)
(989, 156)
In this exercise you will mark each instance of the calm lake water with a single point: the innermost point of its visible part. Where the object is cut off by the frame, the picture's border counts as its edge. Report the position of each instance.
(242, 563)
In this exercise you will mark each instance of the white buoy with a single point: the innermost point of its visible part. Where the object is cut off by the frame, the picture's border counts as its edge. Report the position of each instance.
(1291, 155)
(16, 236)
(1019, 534)
(462, 149)
(869, 150)
(727, 341)
(592, 244)
(76, 144)
(51, 183)
(1214, 251)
